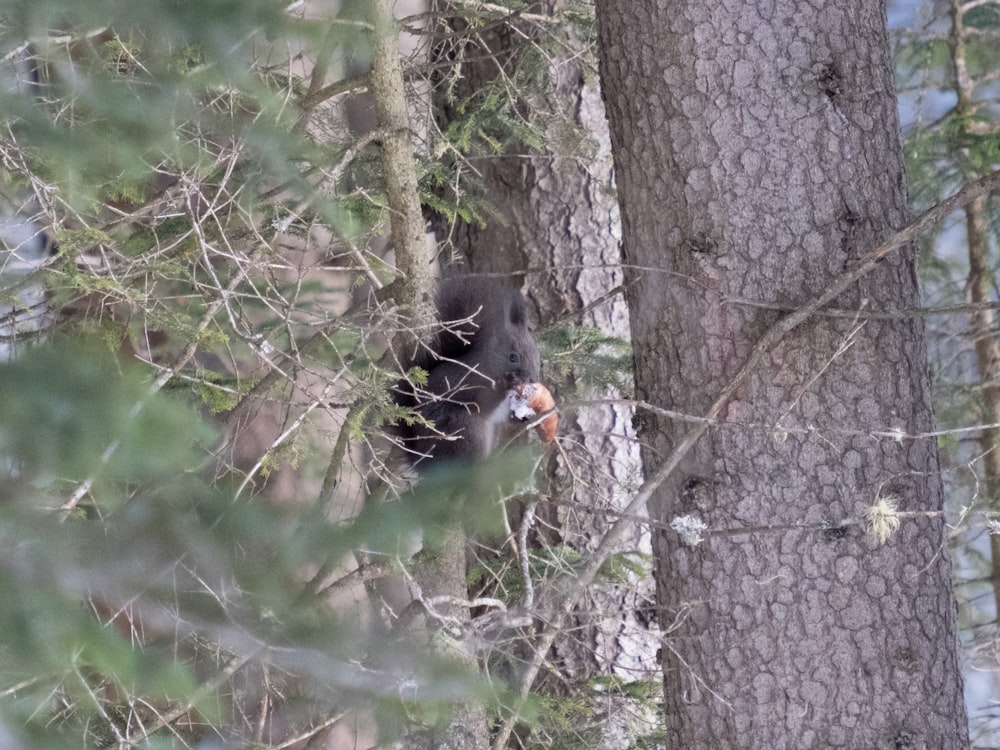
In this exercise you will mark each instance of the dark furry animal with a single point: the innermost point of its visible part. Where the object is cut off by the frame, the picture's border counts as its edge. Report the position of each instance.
(485, 349)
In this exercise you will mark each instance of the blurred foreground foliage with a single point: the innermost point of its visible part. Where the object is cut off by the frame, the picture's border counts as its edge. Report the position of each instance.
(161, 597)
(193, 375)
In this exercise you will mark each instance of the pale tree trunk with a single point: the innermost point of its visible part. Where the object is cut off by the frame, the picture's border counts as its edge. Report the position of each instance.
(24, 311)
(988, 362)
(562, 231)
(979, 284)
(758, 158)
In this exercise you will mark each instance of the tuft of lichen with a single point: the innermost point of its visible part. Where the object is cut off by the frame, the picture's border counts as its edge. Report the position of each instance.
(690, 528)
(882, 518)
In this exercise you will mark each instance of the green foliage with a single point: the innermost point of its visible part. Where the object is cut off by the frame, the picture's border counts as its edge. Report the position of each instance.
(221, 394)
(927, 168)
(214, 217)
(500, 578)
(76, 405)
(139, 95)
(570, 721)
(464, 200)
(594, 359)
(923, 61)
(67, 416)
(492, 107)
(143, 240)
(157, 543)
(488, 121)
(72, 241)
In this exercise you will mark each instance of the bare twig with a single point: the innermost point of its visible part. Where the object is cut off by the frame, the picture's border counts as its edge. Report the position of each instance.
(165, 376)
(232, 667)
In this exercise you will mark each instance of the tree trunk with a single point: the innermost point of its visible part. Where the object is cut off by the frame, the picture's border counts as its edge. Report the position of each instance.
(979, 283)
(562, 227)
(442, 573)
(987, 361)
(758, 158)
(562, 230)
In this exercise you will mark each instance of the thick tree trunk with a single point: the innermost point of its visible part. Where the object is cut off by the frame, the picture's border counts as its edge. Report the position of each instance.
(757, 158)
(562, 230)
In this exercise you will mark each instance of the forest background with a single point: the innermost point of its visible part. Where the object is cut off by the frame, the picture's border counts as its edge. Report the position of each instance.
(221, 220)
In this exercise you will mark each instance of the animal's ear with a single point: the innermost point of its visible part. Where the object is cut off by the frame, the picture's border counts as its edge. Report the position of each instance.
(516, 313)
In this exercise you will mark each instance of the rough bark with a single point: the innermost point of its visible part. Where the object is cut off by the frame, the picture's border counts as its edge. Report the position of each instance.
(561, 229)
(757, 158)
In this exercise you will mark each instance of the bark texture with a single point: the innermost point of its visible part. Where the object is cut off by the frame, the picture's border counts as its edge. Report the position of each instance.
(757, 157)
(406, 221)
(561, 229)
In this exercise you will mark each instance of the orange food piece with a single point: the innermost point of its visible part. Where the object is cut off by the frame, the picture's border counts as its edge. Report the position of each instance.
(532, 399)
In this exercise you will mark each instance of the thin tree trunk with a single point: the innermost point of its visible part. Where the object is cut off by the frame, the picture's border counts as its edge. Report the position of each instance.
(406, 221)
(758, 158)
(442, 571)
(983, 320)
(988, 361)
